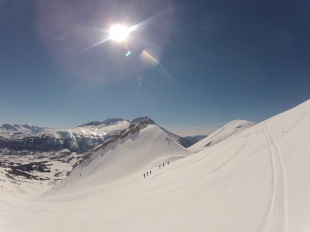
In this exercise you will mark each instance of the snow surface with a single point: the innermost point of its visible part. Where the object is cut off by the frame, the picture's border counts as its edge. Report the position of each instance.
(126, 157)
(232, 128)
(257, 180)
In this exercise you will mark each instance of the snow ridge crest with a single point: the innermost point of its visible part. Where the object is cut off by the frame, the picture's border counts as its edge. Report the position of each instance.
(132, 129)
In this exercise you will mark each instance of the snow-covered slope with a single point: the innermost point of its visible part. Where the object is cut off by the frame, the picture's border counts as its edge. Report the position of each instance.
(43, 155)
(230, 129)
(257, 180)
(80, 139)
(46, 155)
(139, 149)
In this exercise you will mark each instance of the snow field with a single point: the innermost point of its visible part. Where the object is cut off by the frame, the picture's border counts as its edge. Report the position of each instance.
(256, 180)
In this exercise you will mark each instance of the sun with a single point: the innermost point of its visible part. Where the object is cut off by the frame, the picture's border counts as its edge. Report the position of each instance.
(119, 33)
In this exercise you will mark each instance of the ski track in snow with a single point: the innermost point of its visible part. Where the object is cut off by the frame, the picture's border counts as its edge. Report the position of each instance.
(16, 206)
(230, 158)
(276, 219)
(242, 146)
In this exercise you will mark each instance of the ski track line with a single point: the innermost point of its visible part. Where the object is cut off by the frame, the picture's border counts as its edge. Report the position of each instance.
(276, 217)
(226, 161)
(284, 182)
(230, 158)
(17, 207)
(242, 146)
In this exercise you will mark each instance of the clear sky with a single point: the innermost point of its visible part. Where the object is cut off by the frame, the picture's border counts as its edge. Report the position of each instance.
(192, 64)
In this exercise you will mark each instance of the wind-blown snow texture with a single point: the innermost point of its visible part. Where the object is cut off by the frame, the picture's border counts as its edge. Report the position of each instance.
(256, 180)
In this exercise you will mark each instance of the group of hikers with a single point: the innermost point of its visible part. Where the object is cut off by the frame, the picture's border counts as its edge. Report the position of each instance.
(163, 165)
(147, 173)
(150, 172)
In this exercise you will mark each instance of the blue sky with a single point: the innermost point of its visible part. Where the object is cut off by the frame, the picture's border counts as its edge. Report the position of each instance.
(218, 61)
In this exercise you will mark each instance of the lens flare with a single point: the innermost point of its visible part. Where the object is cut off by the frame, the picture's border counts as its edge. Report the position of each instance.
(149, 57)
(119, 33)
(106, 40)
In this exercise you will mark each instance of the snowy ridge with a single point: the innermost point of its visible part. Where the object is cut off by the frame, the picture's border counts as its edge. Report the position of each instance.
(80, 139)
(43, 139)
(184, 141)
(107, 122)
(19, 129)
(230, 129)
(44, 155)
(138, 149)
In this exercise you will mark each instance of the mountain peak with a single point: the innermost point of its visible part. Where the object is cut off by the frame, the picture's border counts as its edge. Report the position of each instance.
(107, 122)
(25, 128)
(9, 127)
(144, 118)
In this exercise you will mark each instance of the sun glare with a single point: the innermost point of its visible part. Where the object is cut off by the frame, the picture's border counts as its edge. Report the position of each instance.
(119, 33)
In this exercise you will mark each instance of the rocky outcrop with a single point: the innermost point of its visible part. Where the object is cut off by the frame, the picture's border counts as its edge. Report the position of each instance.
(132, 129)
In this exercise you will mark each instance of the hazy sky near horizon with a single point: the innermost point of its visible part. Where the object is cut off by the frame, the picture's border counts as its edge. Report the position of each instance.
(193, 65)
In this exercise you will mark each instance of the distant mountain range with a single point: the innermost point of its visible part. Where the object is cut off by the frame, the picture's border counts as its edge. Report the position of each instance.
(17, 138)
